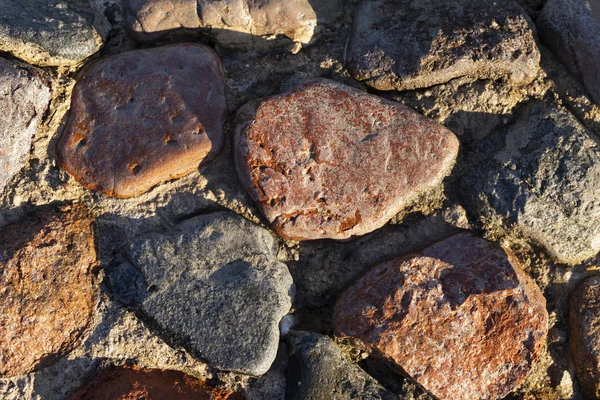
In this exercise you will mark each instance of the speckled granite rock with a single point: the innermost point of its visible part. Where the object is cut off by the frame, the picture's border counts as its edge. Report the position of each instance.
(313, 177)
(441, 315)
(409, 44)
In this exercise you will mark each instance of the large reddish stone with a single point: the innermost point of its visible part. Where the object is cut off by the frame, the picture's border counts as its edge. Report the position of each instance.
(461, 318)
(328, 161)
(144, 117)
(132, 383)
(48, 291)
(584, 340)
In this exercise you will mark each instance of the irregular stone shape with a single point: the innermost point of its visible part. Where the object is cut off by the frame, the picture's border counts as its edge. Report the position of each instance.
(24, 98)
(212, 284)
(328, 161)
(50, 32)
(317, 369)
(584, 342)
(132, 383)
(542, 174)
(442, 315)
(143, 117)
(571, 29)
(409, 44)
(47, 262)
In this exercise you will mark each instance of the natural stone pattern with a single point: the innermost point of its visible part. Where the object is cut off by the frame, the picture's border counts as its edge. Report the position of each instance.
(47, 288)
(132, 383)
(212, 284)
(144, 117)
(409, 44)
(542, 174)
(328, 161)
(571, 29)
(50, 32)
(24, 97)
(444, 314)
(584, 342)
(317, 369)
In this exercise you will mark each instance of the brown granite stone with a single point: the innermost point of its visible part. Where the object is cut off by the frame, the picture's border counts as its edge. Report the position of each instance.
(143, 117)
(48, 291)
(584, 341)
(328, 161)
(461, 318)
(133, 383)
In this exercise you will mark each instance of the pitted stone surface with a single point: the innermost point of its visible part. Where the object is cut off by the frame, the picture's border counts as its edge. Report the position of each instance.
(442, 316)
(328, 161)
(50, 32)
(410, 44)
(48, 291)
(24, 98)
(143, 117)
(212, 284)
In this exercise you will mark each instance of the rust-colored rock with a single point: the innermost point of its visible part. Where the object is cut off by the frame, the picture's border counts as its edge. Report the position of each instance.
(133, 383)
(144, 117)
(461, 318)
(584, 341)
(48, 292)
(328, 161)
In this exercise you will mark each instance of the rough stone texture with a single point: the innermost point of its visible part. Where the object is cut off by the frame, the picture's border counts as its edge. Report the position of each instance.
(317, 370)
(542, 174)
(50, 32)
(144, 117)
(584, 342)
(442, 315)
(24, 98)
(329, 161)
(132, 383)
(233, 23)
(47, 262)
(212, 284)
(571, 29)
(409, 44)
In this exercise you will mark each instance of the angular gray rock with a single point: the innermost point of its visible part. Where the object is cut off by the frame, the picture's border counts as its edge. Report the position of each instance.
(211, 284)
(317, 370)
(571, 29)
(50, 32)
(24, 98)
(543, 175)
(409, 44)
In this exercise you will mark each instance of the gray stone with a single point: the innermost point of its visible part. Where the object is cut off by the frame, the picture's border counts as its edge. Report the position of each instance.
(409, 44)
(50, 32)
(541, 174)
(24, 98)
(571, 29)
(318, 370)
(211, 284)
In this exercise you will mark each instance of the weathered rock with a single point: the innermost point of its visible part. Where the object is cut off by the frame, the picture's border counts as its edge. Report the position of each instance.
(317, 370)
(571, 29)
(48, 292)
(542, 174)
(131, 383)
(442, 315)
(24, 97)
(144, 117)
(409, 44)
(50, 32)
(328, 161)
(212, 284)
(584, 343)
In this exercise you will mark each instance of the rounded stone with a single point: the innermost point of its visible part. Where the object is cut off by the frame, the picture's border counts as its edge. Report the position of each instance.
(48, 289)
(144, 117)
(329, 161)
(461, 318)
